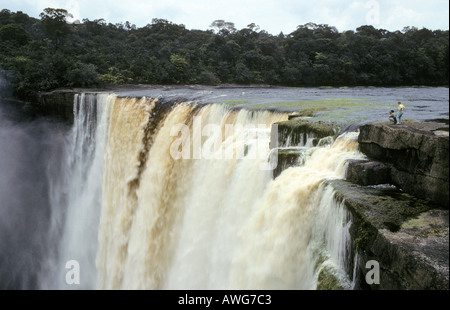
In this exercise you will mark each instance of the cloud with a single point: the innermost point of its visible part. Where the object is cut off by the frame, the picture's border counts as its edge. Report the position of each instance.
(273, 16)
(432, 14)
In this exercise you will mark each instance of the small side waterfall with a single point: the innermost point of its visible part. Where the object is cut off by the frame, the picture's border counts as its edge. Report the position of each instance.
(330, 248)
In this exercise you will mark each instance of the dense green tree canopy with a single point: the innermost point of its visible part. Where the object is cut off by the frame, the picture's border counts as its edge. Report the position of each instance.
(43, 54)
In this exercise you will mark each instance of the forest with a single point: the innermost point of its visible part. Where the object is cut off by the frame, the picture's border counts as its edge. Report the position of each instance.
(46, 53)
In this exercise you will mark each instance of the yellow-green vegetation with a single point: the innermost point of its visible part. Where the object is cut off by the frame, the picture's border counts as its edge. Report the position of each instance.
(311, 112)
(310, 108)
(234, 103)
(420, 221)
(328, 281)
(307, 104)
(299, 126)
(404, 121)
(340, 110)
(427, 223)
(374, 209)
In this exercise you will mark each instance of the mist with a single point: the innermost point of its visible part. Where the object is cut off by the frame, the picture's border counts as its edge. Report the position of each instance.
(30, 154)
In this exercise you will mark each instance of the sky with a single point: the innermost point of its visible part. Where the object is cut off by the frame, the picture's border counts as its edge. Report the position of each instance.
(273, 16)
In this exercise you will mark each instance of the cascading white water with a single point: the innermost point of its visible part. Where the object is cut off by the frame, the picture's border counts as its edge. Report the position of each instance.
(219, 201)
(330, 246)
(273, 253)
(139, 217)
(305, 140)
(76, 194)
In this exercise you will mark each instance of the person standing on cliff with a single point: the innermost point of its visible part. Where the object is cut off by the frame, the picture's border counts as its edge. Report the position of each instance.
(401, 108)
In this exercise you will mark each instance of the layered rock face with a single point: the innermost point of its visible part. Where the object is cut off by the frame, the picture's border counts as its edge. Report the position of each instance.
(297, 132)
(294, 135)
(403, 227)
(406, 230)
(413, 156)
(57, 104)
(406, 235)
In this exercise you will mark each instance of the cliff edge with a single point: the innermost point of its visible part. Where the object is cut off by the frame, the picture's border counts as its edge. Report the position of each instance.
(412, 156)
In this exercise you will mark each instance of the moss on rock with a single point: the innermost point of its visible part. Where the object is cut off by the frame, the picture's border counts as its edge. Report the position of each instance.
(299, 130)
(408, 236)
(327, 280)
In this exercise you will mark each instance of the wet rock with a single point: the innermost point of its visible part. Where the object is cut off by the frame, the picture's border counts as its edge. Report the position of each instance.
(286, 158)
(327, 280)
(57, 104)
(298, 131)
(406, 235)
(418, 154)
(365, 172)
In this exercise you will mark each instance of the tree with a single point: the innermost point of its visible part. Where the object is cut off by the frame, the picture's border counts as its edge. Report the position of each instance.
(253, 27)
(82, 75)
(221, 26)
(55, 23)
(5, 17)
(14, 33)
(46, 53)
(181, 66)
(243, 74)
(96, 26)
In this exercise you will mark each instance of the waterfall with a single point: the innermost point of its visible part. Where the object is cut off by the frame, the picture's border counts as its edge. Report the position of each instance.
(76, 194)
(275, 239)
(178, 195)
(330, 247)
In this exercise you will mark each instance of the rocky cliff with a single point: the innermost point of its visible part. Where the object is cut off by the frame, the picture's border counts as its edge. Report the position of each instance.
(404, 227)
(293, 136)
(298, 132)
(57, 104)
(413, 156)
(397, 198)
(406, 235)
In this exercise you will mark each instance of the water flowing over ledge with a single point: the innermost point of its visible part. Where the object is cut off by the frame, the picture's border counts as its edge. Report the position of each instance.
(170, 193)
(206, 223)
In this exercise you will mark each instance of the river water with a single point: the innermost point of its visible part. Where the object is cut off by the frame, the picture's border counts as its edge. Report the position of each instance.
(348, 105)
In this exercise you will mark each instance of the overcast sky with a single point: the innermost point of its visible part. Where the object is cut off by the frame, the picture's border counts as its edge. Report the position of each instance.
(274, 16)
